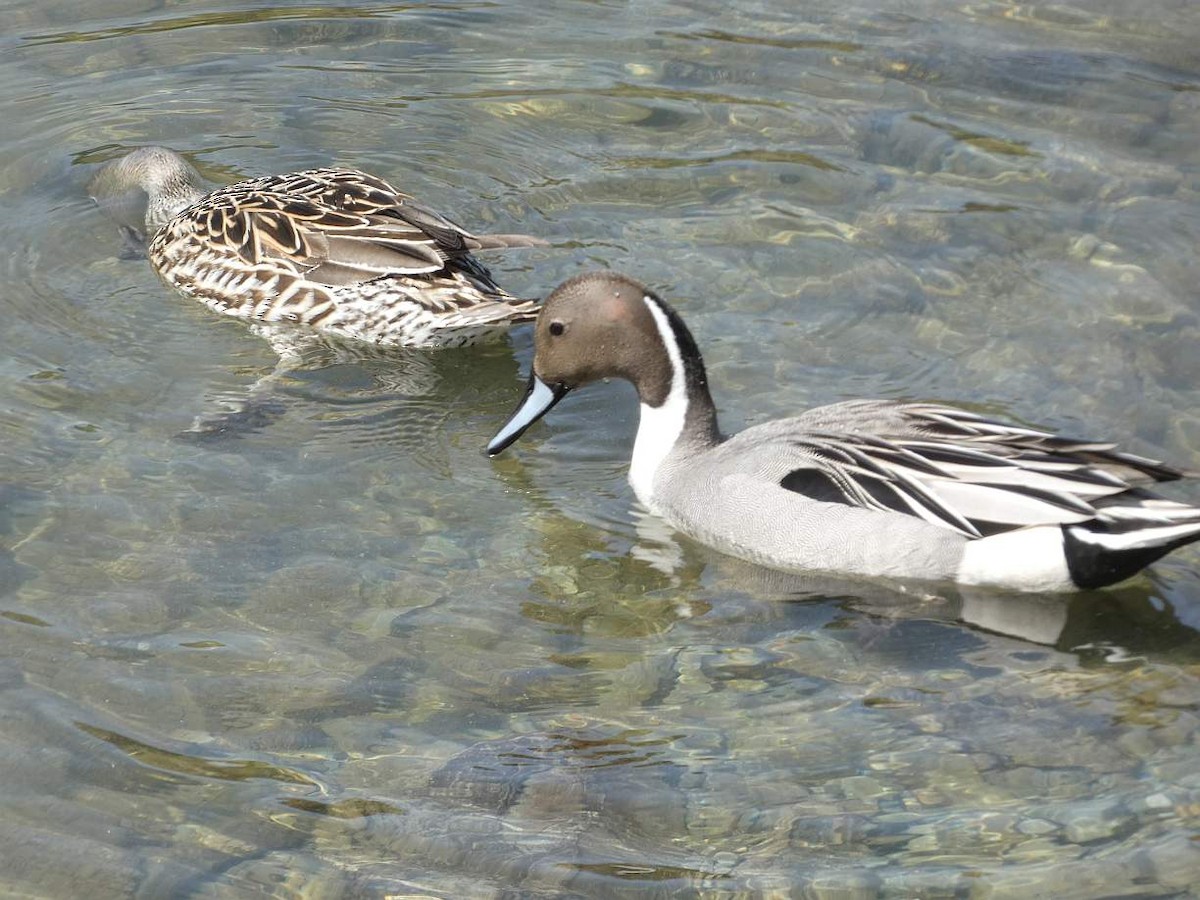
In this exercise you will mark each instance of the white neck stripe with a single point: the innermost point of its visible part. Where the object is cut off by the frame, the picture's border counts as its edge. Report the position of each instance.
(660, 426)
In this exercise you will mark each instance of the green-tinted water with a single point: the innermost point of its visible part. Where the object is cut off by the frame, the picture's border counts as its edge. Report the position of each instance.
(346, 655)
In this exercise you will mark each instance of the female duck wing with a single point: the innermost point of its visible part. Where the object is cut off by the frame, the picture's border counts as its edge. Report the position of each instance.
(332, 246)
(355, 192)
(341, 221)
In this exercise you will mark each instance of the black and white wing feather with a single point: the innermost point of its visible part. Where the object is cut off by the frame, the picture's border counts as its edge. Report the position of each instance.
(953, 468)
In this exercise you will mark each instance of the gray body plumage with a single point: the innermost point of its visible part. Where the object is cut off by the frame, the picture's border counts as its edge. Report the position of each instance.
(875, 487)
(729, 496)
(871, 488)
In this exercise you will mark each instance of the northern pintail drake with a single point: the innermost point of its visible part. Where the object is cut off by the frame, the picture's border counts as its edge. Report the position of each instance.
(336, 249)
(871, 488)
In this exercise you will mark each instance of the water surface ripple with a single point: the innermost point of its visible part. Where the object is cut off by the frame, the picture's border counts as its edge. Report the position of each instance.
(332, 651)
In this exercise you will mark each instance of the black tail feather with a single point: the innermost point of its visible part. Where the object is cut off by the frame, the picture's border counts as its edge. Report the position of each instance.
(1096, 563)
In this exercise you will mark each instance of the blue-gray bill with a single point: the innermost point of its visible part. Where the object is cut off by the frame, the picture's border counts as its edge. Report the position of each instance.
(539, 399)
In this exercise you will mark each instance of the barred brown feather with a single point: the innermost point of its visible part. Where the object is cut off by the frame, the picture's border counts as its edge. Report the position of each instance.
(330, 248)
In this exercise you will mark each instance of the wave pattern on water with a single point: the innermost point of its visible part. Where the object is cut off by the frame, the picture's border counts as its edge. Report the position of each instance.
(326, 647)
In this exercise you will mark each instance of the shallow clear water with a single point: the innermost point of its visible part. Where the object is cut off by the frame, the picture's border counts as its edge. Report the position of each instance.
(340, 653)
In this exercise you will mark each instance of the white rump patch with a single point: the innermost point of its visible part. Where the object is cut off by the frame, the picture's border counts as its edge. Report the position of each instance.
(1028, 559)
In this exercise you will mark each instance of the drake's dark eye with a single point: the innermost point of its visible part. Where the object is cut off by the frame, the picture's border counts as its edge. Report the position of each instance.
(557, 328)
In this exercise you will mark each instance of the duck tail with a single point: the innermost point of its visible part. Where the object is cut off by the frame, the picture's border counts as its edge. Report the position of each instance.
(503, 241)
(524, 309)
(1131, 531)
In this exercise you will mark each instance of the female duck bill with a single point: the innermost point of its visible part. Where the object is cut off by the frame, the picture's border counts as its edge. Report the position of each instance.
(539, 399)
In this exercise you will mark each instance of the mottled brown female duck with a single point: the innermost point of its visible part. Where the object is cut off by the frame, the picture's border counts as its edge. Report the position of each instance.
(337, 250)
